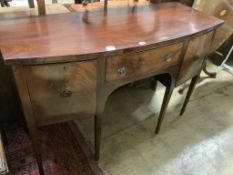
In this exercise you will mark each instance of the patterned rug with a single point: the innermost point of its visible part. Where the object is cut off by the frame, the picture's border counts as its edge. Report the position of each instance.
(63, 152)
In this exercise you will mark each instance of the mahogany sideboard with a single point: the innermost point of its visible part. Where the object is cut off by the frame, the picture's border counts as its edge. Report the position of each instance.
(65, 66)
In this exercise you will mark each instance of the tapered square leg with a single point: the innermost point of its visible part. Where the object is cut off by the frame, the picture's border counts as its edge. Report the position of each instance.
(41, 7)
(39, 161)
(166, 99)
(28, 113)
(97, 136)
(189, 93)
(31, 3)
(210, 74)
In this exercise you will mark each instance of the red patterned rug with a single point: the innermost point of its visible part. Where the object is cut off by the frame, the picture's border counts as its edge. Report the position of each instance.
(63, 152)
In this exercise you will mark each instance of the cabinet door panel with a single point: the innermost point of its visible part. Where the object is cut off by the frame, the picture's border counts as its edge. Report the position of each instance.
(198, 48)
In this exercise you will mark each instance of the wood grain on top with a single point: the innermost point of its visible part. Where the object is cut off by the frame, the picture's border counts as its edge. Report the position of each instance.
(89, 32)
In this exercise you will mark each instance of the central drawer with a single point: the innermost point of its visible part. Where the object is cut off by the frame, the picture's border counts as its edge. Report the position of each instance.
(141, 63)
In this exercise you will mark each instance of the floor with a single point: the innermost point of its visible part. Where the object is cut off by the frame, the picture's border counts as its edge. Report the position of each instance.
(198, 143)
(19, 8)
(64, 151)
(24, 3)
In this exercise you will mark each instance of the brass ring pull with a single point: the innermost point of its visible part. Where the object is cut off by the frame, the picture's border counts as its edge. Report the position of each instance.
(121, 71)
(66, 93)
(168, 57)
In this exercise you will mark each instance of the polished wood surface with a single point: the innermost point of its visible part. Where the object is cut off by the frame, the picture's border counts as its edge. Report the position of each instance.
(48, 38)
(61, 92)
(67, 65)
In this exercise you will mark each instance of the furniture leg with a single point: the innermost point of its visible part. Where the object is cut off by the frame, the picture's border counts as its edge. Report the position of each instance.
(105, 5)
(28, 113)
(210, 74)
(2, 3)
(97, 136)
(189, 93)
(166, 99)
(154, 84)
(77, 1)
(7, 4)
(41, 7)
(39, 159)
(97, 125)
(100, 105)
(31, 4)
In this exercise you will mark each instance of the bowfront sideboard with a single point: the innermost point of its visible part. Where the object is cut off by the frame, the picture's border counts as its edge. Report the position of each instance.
(66, 66)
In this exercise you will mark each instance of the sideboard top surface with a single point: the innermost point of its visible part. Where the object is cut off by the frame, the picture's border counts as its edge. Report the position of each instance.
(96, 32)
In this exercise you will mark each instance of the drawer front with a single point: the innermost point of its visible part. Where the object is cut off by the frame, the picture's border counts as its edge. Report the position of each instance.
(61, 91)
(140, 63)
(192, 63)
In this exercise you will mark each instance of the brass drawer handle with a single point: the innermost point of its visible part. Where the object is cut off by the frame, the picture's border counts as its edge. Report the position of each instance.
(121, 71)
(66, 93)
(168, 57)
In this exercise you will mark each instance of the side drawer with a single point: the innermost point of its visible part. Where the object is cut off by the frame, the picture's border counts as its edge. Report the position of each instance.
(198, 48)
(140, 63)
(62, 91)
